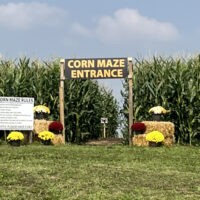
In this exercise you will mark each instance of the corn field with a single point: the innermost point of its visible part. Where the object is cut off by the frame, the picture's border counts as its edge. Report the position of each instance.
(173, 84)
(85, 101)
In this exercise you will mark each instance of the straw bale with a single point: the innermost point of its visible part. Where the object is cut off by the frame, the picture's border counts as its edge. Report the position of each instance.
(166, 128)
(41, 125)
(59, 139)
(140, 140)
(169, 140)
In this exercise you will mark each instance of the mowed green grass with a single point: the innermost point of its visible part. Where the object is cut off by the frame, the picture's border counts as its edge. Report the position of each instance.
(99, 172)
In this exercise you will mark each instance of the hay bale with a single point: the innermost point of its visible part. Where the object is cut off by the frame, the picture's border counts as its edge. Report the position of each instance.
(169, 140)
(140, 140)
(58, 139)
(41, 125)
(167, 128)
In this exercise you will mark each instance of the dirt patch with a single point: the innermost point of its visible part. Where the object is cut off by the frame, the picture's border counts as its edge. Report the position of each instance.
(108, 141)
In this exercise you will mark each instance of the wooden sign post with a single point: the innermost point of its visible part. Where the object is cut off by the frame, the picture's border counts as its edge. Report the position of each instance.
(61, 96)
(104, 121)
(130, 100)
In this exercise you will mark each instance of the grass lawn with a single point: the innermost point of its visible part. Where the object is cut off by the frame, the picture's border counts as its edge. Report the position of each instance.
(99, 172)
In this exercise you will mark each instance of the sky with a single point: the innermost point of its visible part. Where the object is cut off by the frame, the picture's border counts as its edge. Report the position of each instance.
(51, 29)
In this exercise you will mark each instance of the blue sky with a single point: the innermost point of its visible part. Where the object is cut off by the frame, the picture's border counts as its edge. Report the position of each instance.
(100, 28)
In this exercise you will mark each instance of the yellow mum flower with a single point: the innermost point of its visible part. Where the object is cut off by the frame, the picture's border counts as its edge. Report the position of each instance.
(155, 136)
(158, 110)
(15, 135)
(46, 135)
(41, 108)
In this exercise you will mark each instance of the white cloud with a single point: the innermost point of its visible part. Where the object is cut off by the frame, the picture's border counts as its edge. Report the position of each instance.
(81, 30)
(29, 15)
(130, 25)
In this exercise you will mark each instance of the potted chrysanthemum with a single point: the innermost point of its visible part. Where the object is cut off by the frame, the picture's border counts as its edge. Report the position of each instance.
(56, 127)
(41, 112)
(46, 137)
(155, 138)
(157, 112)
(138, 128)
(14, 138)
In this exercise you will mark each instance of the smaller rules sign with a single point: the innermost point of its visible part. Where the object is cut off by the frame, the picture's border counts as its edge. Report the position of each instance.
(104, 120)
(16, 113)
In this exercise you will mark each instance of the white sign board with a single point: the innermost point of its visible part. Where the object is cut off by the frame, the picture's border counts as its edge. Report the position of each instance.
(16, 113)
(104, 120)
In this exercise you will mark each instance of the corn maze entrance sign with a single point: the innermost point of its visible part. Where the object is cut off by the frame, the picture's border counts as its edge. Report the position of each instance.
(96, 68)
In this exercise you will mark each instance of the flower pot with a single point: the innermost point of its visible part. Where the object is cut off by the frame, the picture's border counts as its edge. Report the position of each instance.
(46, 142)
(138, 132)
(156, 117)
(56, 132)
(15, 143)
(41, 115)
(155, 144)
